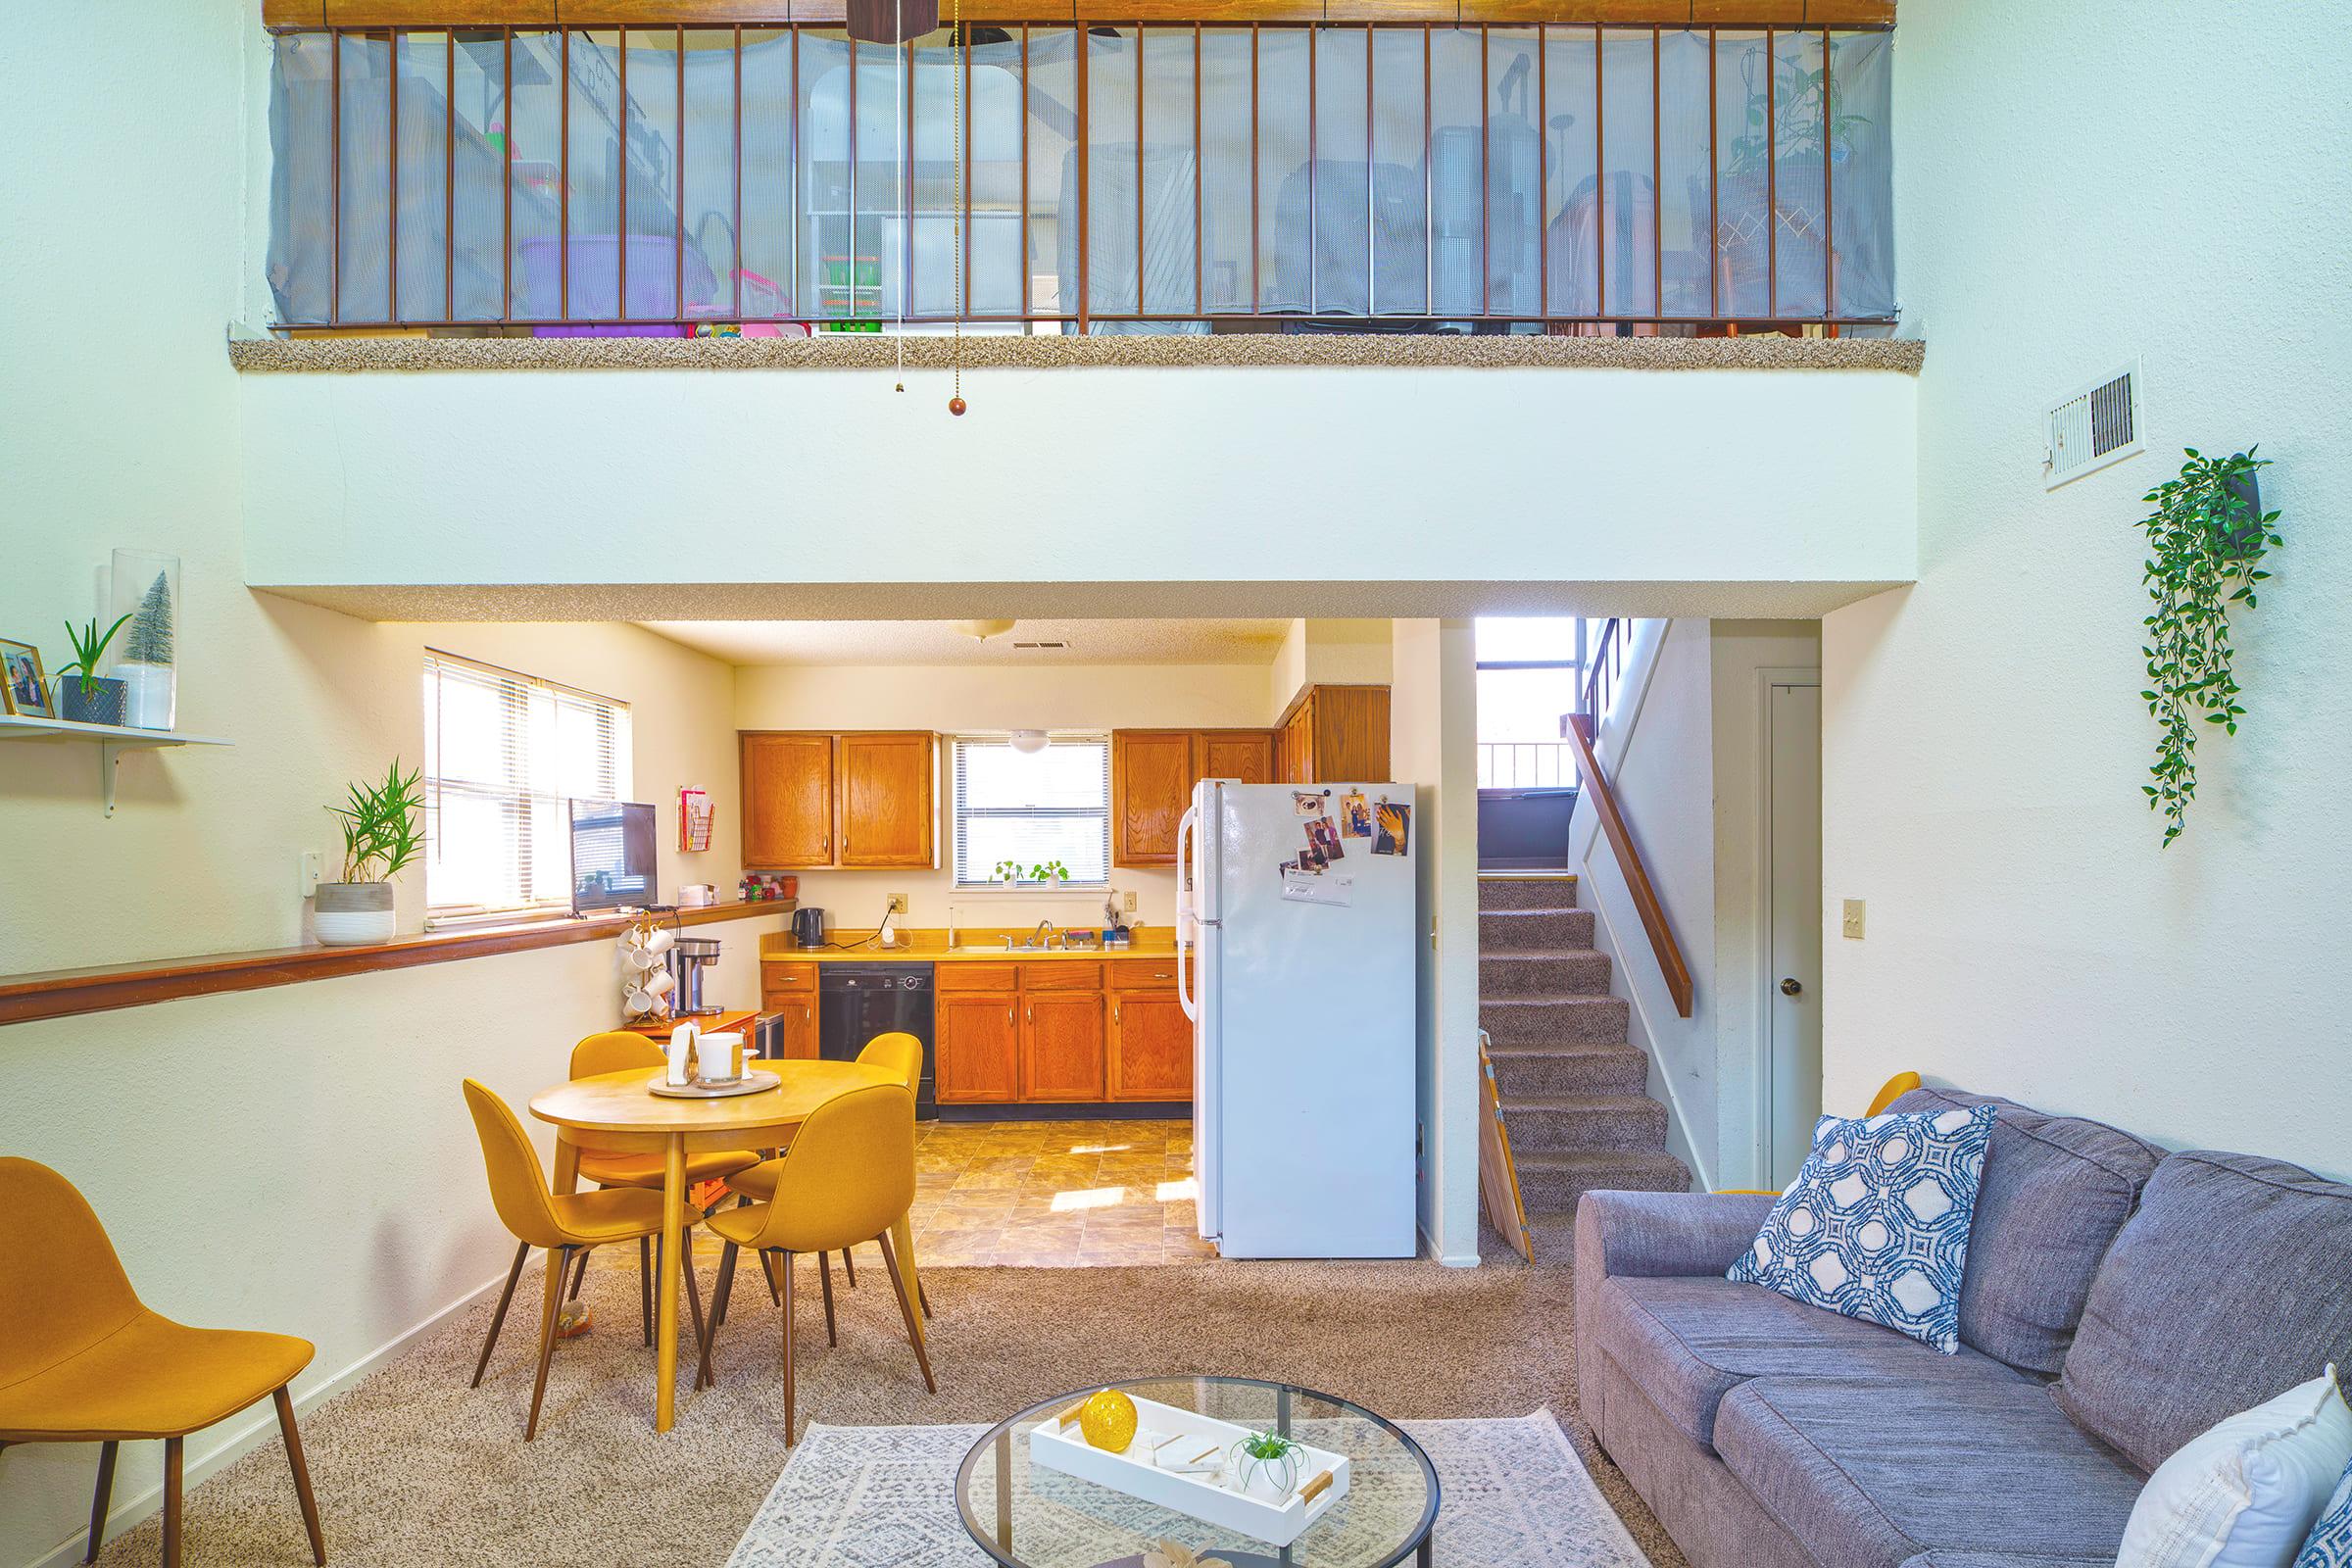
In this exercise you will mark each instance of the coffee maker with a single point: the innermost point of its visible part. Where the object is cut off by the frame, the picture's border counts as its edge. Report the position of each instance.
(688, 958)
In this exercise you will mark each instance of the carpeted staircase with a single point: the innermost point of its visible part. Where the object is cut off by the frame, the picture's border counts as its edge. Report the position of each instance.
(1571, 1086)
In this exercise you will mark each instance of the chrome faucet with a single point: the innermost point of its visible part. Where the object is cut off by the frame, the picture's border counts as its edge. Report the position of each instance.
(1042, 939)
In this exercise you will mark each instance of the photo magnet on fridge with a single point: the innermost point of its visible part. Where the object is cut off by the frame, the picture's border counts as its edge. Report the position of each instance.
(1306, 803)
(1326, 836)
(1356, 815)
(1391, 828)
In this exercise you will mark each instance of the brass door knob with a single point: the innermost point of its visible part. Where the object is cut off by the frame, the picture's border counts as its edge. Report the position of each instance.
(1791, 987)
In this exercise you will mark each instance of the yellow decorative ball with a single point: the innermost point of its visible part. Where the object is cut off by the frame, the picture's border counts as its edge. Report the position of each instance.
(1108, 1420)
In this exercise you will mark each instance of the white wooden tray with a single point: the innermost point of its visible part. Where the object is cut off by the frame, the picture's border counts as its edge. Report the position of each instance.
(750, 1083)
(1057, 1444)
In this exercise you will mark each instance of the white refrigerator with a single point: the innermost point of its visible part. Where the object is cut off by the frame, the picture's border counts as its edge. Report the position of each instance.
(1302, 1001)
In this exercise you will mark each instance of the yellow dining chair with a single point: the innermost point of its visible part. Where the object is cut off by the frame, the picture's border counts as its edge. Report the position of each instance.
(83, 1360)
(561, 1224)
(848, 1178)
(618, 1050)
(897, 1051)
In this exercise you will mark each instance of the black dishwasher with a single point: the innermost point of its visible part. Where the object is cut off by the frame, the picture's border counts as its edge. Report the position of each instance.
(857, 1000)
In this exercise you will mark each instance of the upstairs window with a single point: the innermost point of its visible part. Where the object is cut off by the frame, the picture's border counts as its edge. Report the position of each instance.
(1032, 808)
(1531, 671)
(505, 754)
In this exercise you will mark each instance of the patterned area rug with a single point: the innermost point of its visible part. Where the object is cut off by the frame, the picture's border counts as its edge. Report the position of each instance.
(1514, 1496)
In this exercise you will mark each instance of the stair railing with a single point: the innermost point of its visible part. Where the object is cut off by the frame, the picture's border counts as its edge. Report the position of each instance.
(1583, 727)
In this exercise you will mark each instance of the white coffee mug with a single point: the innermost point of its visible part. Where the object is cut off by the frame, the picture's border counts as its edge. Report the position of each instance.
(718, 1056)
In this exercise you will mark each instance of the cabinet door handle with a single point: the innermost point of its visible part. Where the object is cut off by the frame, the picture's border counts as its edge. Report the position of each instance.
(1008, 1017)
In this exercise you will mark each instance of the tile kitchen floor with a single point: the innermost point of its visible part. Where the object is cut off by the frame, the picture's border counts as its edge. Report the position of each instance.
(1054, 1193)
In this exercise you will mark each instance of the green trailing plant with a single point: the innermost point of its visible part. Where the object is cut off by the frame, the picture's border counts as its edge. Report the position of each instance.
(1784, 113)
(2206, 538)
(149, 639)
(383, 826)
(1268, 1454)
(90, 647)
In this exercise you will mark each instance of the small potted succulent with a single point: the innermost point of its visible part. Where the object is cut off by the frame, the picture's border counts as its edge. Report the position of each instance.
(89, 698)
(383, 832)
(1265, 1465)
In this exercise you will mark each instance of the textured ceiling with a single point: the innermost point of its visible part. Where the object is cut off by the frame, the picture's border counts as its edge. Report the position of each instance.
(938, 642)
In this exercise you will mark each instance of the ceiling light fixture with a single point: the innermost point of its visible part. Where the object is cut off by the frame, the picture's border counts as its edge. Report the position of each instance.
(1028, 742)
(981, 630)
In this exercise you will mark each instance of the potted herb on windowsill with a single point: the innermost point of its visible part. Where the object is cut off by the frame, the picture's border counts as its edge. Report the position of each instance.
(383, 831)
(89, 698)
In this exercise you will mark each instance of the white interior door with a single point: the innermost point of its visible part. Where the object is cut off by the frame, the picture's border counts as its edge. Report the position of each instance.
(1792, 983)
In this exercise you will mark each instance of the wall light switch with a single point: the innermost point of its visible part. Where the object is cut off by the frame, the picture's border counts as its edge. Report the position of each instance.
(312, 867)
(1853, 925)
(1130, 898)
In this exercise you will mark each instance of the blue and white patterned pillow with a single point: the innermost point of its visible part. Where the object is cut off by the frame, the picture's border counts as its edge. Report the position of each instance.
(2329, 1544)
(1874, 1227)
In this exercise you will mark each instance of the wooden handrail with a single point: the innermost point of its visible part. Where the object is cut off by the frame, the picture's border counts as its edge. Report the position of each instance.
(1629, 860)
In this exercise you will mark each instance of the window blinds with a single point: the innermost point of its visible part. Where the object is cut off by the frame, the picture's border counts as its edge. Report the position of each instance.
(1032, 808)
(504, 756)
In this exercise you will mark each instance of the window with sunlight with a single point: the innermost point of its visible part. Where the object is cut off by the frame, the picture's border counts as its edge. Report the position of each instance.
(505, 754)
(1032, 808)
(1530, 671)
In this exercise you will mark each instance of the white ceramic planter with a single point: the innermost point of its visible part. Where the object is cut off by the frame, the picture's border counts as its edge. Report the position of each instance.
(351, 914)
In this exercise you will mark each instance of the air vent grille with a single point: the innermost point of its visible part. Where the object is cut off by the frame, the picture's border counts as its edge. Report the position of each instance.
(2095, 426)
(1048, 645)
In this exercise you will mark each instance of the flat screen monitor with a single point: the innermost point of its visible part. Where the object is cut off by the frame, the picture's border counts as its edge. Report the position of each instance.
(613, 855)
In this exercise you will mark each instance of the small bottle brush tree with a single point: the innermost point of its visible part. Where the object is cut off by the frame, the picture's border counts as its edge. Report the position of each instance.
(2207, 538)
(149, 640)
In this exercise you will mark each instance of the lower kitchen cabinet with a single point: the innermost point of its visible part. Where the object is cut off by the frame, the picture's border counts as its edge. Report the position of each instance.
(798, 1011)
(1062, 1046)
(976, 1046)
(1151, 1054)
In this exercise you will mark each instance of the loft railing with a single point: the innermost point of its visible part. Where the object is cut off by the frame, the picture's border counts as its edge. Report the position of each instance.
(1582, 729)
(1199, 176)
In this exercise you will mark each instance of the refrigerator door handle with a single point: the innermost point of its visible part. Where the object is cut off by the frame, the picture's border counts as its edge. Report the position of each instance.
(1188, 912)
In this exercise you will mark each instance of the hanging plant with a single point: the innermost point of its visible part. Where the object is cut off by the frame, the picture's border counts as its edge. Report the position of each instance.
(2207, 535)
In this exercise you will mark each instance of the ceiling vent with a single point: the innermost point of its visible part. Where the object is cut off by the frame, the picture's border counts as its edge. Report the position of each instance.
(1044, 645)
(2099, 424)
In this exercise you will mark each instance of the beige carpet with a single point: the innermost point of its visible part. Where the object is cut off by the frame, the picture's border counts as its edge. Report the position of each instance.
(414, 1470)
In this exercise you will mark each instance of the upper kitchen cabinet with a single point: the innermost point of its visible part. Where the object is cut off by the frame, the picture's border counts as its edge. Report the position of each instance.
(884, 791)
(787, 801)
(1151, 782)
(1335, 733)
(861, 800)
(1244, 754)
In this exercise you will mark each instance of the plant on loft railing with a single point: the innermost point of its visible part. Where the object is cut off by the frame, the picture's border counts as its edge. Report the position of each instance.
(2207, 535)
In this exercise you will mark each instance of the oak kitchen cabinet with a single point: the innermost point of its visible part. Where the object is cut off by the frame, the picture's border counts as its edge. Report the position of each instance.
(789, 990)
(1150, 1041)
(1335, 732)
(1153, 772)
(864, 799)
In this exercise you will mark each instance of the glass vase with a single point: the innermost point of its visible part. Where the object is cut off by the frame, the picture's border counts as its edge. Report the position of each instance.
(145, 586)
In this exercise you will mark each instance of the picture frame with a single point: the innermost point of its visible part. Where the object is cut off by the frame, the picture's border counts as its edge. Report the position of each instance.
(24, 684)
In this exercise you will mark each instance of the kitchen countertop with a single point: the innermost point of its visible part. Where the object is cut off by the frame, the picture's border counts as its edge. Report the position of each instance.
(927, 946)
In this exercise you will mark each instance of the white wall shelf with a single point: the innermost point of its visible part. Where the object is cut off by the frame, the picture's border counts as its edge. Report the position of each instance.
(111, 741)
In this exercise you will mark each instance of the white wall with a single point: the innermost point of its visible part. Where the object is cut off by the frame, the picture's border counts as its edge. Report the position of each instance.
(1432, 745)
(312, 1134)
(1340, 652)
(795, 481)
(1985, 745)
(951, 698)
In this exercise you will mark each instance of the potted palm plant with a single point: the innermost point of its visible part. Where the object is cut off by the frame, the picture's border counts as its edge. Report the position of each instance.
(383, 831)
(89, 698)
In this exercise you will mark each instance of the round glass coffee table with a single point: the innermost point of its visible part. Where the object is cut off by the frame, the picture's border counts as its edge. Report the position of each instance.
(1026, 1517)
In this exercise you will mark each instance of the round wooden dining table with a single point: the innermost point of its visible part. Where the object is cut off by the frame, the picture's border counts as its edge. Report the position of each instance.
(619, 1111)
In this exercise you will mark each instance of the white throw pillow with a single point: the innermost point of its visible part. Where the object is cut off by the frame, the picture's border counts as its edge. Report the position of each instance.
(2245, 1493)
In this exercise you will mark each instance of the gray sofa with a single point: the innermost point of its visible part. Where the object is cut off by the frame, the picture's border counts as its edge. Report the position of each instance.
(2118, 1302)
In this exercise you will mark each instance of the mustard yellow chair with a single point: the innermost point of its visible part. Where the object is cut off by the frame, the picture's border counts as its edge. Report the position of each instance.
(561, 1224)
(898, 1053)
(83, 1360)
(1892, 1090)
(847, 1179)
(618, 1050)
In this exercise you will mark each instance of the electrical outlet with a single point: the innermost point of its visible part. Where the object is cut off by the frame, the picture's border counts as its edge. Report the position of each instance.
(1853, 925)
(898, 904)
(1130, 902)
(309, 871)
